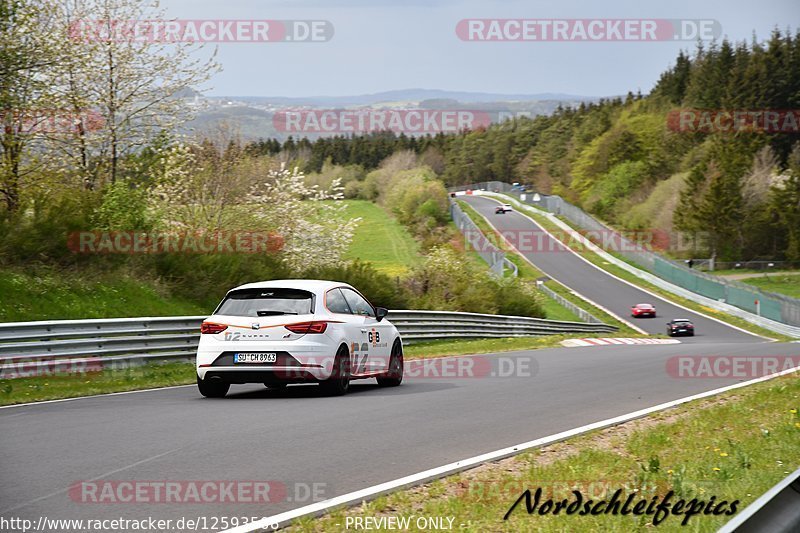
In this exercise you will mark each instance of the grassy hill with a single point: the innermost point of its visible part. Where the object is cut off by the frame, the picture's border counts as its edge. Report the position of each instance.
(788, 284)
(381, 240)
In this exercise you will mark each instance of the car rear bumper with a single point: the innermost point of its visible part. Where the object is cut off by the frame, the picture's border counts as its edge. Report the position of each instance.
(296, 362)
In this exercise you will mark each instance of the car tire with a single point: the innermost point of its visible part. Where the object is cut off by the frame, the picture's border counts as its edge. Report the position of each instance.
(394, 376)
(339, 382)
(212, 388)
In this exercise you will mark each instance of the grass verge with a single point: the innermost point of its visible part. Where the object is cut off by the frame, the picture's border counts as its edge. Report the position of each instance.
(45, 294)
(786, 284)
(732, 447)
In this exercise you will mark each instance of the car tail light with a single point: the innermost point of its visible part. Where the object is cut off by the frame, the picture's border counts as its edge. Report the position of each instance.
(307, 327)
(689, 326)
(211, 328)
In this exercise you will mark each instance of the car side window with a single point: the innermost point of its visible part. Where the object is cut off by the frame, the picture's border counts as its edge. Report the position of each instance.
(358, 304)
(335, 302)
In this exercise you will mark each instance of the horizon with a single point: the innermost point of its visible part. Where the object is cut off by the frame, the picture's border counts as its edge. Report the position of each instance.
(376, 47)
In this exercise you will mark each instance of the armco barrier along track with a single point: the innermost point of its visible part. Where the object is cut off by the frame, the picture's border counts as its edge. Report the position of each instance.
(122, 341)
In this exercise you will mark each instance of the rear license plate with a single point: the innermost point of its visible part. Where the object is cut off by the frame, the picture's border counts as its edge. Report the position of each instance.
(255, 357)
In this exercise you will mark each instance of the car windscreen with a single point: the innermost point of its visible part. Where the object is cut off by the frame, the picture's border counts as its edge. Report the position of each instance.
(266, 302)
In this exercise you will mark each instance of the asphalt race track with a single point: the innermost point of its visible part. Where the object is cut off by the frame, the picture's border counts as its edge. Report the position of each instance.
(342, 444)
(299, 439)
(595, 284)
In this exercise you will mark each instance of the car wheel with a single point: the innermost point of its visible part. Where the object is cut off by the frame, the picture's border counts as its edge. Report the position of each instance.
(339, 382)
(394, 376)
(212, 388)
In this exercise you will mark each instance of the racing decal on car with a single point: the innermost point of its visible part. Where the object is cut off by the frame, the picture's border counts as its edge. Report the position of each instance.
(375, 338)
(364, 349)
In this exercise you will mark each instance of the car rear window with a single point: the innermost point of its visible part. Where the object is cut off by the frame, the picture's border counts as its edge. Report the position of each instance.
(266, 302)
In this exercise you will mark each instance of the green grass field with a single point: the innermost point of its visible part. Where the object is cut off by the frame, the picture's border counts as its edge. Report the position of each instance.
(381, 240)
(787, 284)
(54, 295)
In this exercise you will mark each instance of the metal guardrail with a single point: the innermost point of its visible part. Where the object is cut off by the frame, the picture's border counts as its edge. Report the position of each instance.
(122, 342)
(581, 313)
(495, 257)
(777, 511)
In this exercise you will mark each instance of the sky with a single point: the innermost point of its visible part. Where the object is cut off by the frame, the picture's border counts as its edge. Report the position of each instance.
(380, 45)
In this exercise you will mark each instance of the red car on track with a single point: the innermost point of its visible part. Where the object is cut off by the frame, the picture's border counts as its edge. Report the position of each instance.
(643, 310)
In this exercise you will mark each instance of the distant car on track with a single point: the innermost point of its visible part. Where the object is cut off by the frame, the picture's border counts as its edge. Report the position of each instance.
(680, 326)
(502, 209)
(643, 310)
(297, 331)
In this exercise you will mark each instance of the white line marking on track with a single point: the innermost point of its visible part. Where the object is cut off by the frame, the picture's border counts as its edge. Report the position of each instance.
(369, 493)
(93, 396)
(576, 343)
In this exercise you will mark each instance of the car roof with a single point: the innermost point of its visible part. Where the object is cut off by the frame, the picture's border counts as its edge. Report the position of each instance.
(311, 285)
(644, 305)
(681, 320)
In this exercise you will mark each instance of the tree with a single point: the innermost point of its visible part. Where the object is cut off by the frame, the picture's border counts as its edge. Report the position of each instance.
(135, 84)
(25, 53)
(786, 198)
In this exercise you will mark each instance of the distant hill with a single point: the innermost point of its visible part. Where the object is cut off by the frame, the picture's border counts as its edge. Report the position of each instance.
(404, 95)
(252, 116)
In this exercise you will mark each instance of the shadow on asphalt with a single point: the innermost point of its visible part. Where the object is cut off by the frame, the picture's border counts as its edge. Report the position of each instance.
(314, 391)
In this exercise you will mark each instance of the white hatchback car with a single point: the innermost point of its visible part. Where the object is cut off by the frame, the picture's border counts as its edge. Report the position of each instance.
(297, 331)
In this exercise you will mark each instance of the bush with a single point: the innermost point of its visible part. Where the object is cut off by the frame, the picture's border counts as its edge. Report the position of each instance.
(206, 278)
(123, 208)
(448, 281)
(380, 289)
(41, 232)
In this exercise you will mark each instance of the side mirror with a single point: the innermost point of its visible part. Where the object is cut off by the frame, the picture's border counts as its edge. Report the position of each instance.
(380, 313)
